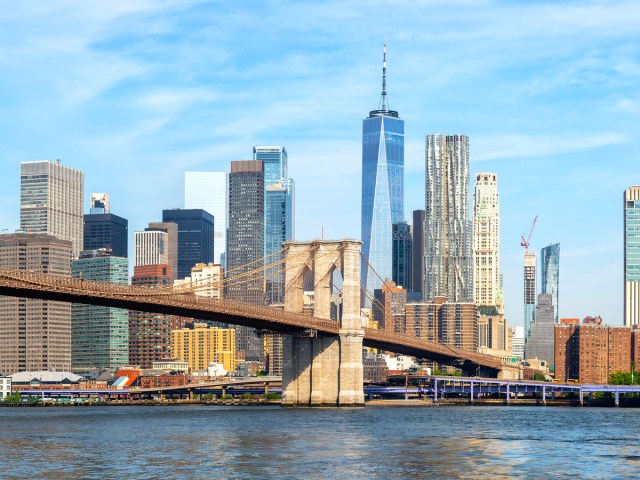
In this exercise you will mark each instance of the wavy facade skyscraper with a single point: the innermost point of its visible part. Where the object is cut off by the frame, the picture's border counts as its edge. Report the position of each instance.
(447, 229)
(382, 187)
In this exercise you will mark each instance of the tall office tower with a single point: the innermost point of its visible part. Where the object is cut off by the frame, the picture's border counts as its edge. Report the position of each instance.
(151, 248)
(195, 237)
(279, 212)
(402, 247)
(447, 232)
(150, 333)
(245, 245)
(208, 191)
(171, 229)
(417, 251)
(51, 201)
(382, 187)
(550, 266)
(540, 341)
(103, 229)
(486, 242)
(99, 335)
(632, 256)
(35, 334)
(529, 290)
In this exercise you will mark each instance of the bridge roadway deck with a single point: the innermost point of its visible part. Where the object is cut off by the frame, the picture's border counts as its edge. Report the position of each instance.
(173, 301)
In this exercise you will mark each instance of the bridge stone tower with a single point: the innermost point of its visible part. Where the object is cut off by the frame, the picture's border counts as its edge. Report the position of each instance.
(323, 371)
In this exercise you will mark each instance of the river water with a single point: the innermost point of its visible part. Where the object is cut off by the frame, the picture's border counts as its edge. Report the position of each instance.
(271, 442)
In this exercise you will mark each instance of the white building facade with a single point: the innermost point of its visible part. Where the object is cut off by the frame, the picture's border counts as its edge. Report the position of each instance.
(151, 248)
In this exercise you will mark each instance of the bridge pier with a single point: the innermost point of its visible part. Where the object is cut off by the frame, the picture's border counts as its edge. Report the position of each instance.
(324, 371)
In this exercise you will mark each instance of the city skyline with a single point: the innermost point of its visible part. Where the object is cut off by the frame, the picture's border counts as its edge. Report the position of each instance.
(562, 116)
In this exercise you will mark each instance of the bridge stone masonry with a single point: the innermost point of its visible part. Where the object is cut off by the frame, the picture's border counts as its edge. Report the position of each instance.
(324, 370)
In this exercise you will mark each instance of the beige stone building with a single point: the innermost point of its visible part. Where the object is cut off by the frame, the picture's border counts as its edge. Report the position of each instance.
(486, 242)
(494, 335)
(205, 281)
(202, 345)
(35, 334)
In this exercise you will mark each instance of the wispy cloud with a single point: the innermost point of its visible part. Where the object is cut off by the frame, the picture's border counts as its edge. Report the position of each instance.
(518, 146)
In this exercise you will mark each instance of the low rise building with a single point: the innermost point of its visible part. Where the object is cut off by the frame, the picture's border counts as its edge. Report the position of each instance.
(168, 379)
(171, 365)
(375, 368)
(45, 380)
(5, 387)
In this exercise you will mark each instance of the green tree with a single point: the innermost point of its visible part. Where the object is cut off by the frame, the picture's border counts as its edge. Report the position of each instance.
(539, 377)
(620, 378)
(13, 397)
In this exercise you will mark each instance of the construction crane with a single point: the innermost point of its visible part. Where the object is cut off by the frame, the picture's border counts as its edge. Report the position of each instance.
(525, 243)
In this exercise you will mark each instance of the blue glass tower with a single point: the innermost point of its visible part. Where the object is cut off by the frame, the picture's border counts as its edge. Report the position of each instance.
(382, 187)
(279, 204)
(550, 263)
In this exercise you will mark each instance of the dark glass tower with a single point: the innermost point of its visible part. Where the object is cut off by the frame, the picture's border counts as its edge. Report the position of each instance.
(245, 245)
(382, 187)
(103, 229)
(106, 230)
(195, 237)
(417, 254)
(402, 244)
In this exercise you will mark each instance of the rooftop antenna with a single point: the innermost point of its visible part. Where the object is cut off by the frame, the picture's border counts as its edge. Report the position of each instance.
(383, 99)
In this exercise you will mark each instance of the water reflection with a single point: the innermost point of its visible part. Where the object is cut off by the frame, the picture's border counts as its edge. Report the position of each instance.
(265, 442)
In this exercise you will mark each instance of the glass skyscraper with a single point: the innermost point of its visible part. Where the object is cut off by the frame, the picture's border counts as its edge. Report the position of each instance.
(103, 229)
(550, 274)
(195, 237)
(632, 256)
(99, 335)
(279, 196)
(208, 191)
(382, 188)
(402, 246)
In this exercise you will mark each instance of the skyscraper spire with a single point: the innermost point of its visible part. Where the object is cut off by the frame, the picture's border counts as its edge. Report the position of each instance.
(383, 100)
(383, 107)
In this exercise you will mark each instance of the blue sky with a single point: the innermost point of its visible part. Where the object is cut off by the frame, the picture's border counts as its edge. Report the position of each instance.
(136, 93)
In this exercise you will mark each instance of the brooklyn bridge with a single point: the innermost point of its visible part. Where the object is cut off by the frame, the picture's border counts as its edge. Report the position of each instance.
(322, 356)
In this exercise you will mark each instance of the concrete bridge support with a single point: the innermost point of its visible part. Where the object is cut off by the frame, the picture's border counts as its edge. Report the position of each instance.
(323, 371)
